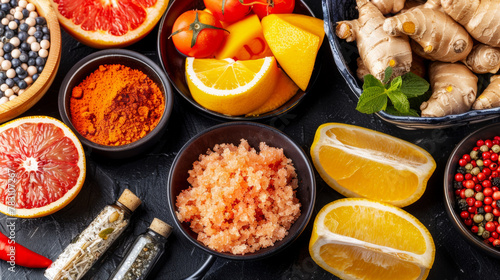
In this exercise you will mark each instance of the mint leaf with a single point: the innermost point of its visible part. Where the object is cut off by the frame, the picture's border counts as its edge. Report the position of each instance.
(372, 100)
(413, 85)
(399, 100)
(371, 81)
(391, 110)
(387, 74)
(396, 83)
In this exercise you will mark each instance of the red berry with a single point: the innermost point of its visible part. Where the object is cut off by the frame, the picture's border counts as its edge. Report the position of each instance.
(488, 143)
(474, 229)
(475, 180)
(478, 203)
(459, 177)
(496, 195)
(496, 138)
(487, 162)
(469, 184)
(488, 191)
(489, 226)
(479, 143)
(457, 192)
(471, 209)
(486, 171)
(494, 166)
(495, 211)
(486, 183)
(468, 176)
(487, 200)
(491, 239)
(478, 188)
(494, 157)
(462, 162)
(466, 157)
(481, 176)
(473, 163)
(486, 155)
(494, 174)
(488, 209)
(494, 188)
(494, 234)
(496, 243)
(464, 214)
(475, 148)
(498, 229)
(468, 221)
(470, 201)
(462, 193)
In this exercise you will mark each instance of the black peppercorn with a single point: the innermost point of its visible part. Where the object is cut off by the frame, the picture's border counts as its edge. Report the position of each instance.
(462, 204)
(495, 181)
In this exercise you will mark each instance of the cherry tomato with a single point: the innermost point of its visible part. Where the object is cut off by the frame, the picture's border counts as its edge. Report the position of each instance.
(267, 7)
(228, 10)
(204, 38)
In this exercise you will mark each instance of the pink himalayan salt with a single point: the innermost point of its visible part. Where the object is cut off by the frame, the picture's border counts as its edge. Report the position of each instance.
(240, 200)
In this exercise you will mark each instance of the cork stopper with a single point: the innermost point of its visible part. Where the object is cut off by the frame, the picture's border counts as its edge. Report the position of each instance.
(161, 227)
(129, 200)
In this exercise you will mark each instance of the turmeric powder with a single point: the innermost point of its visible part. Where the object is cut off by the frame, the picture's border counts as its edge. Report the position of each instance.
(116, 105)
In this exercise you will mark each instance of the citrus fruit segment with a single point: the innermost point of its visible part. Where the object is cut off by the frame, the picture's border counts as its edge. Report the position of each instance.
(359, 162)
(42, 166)
(357, 238)
(231, 87)
(284, 90)
(295, 41)
(106, 24)
(245, 40)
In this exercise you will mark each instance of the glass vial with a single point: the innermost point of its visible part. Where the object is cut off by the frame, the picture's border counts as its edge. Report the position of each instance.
(144, 253)
(92, 243)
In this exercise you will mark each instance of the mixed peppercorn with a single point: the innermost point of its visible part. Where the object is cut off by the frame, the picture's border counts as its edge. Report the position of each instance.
(476, 185)
(24, 47)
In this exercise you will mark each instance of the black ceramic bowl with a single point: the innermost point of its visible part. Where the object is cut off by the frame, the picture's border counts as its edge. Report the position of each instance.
(135, 61)
(232, 133)
(173, 61)
(345, 55)
(465, 146)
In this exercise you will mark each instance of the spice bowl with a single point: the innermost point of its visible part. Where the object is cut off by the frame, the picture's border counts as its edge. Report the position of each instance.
(232, 133)
(345, 55)
(81, 70)
(37, 90)
(173, 62)
(450, 199)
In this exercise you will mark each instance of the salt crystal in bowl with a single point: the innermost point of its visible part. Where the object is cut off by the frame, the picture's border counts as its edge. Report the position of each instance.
(254, 133)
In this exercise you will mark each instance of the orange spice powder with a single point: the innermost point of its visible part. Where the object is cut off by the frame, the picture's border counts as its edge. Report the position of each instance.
(116, 105)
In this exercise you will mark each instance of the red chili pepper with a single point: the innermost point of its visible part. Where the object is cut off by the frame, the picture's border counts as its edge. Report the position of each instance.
(20, 255)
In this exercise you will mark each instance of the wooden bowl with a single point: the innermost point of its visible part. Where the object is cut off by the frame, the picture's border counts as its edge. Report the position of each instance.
(35, 91)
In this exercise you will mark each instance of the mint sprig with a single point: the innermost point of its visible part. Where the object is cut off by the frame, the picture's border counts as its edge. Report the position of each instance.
(376, 94)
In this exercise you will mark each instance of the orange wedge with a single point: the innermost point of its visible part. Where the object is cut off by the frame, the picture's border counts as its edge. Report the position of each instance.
(359, 162)
(231, 87)
(357, 238)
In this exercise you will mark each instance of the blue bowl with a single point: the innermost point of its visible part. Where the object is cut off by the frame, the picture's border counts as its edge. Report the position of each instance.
(345, 55)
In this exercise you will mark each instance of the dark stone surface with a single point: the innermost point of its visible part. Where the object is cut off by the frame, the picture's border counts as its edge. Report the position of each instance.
(329, 101)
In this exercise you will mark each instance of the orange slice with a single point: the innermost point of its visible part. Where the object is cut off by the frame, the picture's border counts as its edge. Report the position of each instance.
(359, 162)
(231, 87)
(108, 24)
(42, 166)
(356, 238)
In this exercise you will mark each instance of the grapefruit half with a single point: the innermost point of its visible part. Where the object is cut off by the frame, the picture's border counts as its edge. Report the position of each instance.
(109, 23)
(42, 166)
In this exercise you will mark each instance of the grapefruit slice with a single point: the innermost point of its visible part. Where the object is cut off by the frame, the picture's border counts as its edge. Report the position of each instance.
(42, 166)
(109, 23)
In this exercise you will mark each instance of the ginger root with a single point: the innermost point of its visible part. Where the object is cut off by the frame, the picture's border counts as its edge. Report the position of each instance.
(376, 48)
(454, 89)
(490, 98)
(437, 35)
(483, 59)
(480, 18)
(389, 6)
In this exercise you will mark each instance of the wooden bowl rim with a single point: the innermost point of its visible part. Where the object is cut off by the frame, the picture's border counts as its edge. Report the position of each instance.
(35, 91)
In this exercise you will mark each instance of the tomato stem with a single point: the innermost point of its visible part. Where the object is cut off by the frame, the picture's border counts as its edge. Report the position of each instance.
(269, 3)
(196, 27)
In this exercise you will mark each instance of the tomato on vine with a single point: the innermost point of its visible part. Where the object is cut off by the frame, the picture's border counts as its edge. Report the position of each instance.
(228, 10)
(266, 7)
(197, 34)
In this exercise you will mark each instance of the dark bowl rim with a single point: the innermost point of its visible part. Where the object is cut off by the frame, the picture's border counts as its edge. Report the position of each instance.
(292, 236)
(129, 54)
(407, 122)
(449, 199)
(222, 117)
